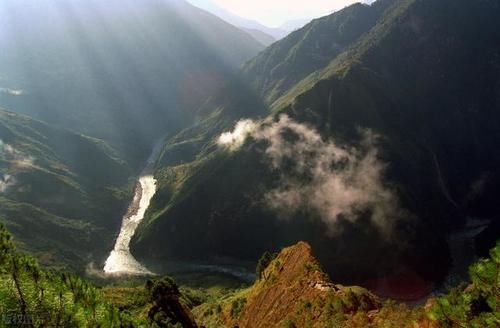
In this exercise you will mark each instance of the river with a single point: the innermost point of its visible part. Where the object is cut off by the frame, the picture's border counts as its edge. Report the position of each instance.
(120, 260)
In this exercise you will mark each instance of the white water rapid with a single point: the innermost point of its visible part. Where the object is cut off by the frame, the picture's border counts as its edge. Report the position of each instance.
(121, 261)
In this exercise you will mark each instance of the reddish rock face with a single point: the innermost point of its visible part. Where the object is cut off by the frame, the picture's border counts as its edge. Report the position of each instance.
(290, 282)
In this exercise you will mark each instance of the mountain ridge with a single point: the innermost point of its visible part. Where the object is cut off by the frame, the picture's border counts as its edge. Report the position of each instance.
(276, 33)
(365, 86)
(57, 204)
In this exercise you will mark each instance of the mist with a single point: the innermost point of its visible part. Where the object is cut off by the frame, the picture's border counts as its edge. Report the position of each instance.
(235, 139)
(6, 181)
(336, 182)
(11, 92)
(16, 159)
(15, 156)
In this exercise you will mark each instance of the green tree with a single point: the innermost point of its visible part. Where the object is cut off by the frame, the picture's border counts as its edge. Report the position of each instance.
(167, 310)
(263, 263)
(6, 246)
(476, 305)
(46, 298)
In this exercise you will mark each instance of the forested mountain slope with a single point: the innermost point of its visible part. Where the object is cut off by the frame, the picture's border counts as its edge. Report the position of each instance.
(61, 194)
(282, 65)
(410, 104)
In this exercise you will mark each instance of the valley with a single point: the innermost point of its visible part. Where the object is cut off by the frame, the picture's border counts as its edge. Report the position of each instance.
(170, 165)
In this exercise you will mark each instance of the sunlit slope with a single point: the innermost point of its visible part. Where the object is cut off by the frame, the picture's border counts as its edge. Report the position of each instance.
(424, 78)
(285, 63)
(124, 71)
(62, 194)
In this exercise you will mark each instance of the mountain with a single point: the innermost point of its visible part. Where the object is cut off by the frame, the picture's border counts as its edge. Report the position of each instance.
(309, 49)
(260, 36)
(123, 71)
(244, 23)
(61, 194)
(295, 24)
(375, 147)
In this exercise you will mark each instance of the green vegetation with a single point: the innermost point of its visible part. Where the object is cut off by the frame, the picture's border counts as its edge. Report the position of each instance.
(167, 308)
(471, 305)
(263, 263)
(34, 297)
(67, 192)
(237, 306)
(478, 304)
(474, 305)
(401, 69)
(284, 64)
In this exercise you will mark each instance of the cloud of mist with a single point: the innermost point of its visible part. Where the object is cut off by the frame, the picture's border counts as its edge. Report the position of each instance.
(17, 159)
(335, 181)
(6, 149)
(6, 181)
(93, 270)
(11, 92)
(234, 140)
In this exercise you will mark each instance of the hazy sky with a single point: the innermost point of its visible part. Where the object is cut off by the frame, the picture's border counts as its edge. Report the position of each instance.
(276, 12)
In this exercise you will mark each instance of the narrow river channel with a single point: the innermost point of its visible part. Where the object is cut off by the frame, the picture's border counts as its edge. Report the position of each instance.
(121, 261)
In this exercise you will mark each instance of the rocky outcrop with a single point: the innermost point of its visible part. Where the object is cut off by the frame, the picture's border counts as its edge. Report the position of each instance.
(294, 291)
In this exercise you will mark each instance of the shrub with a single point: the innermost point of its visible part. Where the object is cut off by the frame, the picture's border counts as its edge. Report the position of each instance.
(263, 263)
(477, 305)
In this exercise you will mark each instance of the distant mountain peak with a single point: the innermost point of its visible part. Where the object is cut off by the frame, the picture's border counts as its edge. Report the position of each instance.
(238, 21)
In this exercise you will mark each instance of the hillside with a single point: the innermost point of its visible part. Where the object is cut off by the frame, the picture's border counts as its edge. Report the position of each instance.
(284, 64)
(61, 194)
(293, 291)
(123, 71)
(32, 296)
(36, 297)
(427, 159)
(291, 284)
(440, 134)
